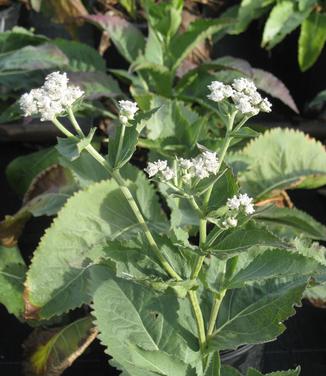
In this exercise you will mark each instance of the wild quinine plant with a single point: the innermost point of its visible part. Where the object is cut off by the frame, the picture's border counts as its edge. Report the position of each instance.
(168, 290)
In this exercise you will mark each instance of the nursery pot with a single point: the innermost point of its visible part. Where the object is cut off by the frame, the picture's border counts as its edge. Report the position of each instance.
(244, 357)
(9, 17)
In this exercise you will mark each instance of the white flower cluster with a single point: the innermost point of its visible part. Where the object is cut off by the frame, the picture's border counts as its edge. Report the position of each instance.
(243, 93)
(201, 167)
(242, 201)
(52, 99)
(235, 204)
(153, 168)
(128, 110)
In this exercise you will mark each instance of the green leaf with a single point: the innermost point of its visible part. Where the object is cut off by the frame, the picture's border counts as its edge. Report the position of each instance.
(276, 263)
(164, 18)
(18, 37)
(254, 314)
(280, 166)
(82, 58)
(318, 101)
(291, 222)
(52, 351)
(312, 39)
(12, 276)
(21, 171)
(75, 241)
(16, 64)
(197, 31)
(70, 148)
(96, 84)
(283, 19)
(233, 242)
(250, 10)
(127, 38)
(144, 335)
(291, 372)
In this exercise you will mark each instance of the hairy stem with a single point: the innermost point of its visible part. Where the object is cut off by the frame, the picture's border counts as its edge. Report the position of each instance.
(214, 312)
(199, 319)
(122, 135)
(74, 122)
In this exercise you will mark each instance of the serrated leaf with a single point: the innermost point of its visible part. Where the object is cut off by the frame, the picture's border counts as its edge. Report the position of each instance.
(12, 276)
(254, 314)
(75, 241)
(50, 352)
(283, 19)
(233, 242)
(291, 372)
(312, 39)
(291, 222)
(279, 166)
(144, 334)
(276, 263)
(127, 38)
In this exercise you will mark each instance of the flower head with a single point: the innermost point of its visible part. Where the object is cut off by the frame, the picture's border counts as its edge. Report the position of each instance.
(52, 99)
(154, 168)
(242, 201)
(128, 110)
(243, 95)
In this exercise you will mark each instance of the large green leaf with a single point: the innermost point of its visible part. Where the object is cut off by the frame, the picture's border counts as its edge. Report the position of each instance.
(61, 263)
(140, 329)
(233, 242)
(274, 263)
(312, 39)
(50, 352)
(291, 222)
(19, 37)
(16, 64)
(283, 19)
(127, 38)
(254, 314)
(22, 170)
(279, 165)
(12, 276)
(291, 372)
(82, 58)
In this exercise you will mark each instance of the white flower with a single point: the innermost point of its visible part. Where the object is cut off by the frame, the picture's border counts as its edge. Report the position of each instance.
(243, 104)
(211, 161)
(245, 199)
(52, 98)
(128, 110)
(232, 221)
(243, 84)
(185, 163)
(233, 203)
(249, 209)
(154, 167)
(265, 105)
(219, 91)
(168, 174)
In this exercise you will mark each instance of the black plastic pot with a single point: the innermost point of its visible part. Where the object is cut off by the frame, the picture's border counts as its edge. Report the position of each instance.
(244, 357)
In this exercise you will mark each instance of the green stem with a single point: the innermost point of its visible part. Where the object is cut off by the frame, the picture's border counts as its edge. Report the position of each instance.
(199, 319)
(122, 135)
(134, 207)
(214, 312)
(74, 122)
(62, 129)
